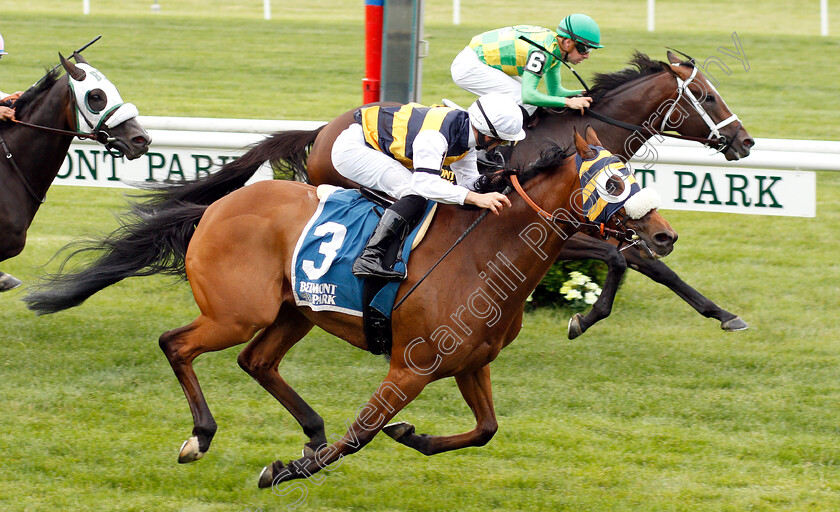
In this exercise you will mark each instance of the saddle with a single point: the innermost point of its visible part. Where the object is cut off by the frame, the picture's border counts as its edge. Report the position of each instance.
(377, 326)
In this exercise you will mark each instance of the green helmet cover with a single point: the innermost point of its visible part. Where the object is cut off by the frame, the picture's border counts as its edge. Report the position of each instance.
(582, 28)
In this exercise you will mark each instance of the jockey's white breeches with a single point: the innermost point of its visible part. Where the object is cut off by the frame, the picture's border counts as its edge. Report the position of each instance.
(471, 74)
(357, 161)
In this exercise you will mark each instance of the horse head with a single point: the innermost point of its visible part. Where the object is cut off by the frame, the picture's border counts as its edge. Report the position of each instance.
(699, 110)
(610, 196)
(100, 110)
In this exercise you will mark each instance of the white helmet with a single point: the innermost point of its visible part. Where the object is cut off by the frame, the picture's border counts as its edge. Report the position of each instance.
(498, 116)
(3, 47)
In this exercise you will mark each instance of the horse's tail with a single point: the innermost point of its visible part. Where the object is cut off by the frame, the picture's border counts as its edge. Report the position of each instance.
(286, 151)
(143, 245)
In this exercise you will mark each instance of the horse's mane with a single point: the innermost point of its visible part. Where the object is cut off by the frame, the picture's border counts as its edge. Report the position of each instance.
(550, 158)
(35, 91)
(642, 66)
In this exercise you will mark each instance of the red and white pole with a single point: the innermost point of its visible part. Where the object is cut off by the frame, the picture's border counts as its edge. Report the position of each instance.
(373, 50)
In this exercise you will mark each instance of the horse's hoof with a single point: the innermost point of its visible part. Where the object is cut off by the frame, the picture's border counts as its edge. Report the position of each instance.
(735, 324)
(396, 430)
(266, 478)
(307, 451)
(574, 326)
(273, 474)
(8, 282)
(190, 451)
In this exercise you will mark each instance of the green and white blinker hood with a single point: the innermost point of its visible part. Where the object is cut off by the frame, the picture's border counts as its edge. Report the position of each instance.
(110, 111)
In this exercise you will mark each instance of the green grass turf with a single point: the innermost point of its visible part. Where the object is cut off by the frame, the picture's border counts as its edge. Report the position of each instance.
(654, 409)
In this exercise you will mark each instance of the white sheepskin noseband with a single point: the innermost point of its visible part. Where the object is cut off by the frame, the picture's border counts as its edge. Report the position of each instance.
(642, 202)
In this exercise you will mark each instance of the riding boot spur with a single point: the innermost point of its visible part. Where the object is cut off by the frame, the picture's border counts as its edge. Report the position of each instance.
(393, 225)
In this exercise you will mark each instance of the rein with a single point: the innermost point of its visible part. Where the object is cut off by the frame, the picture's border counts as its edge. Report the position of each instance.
(626, 235)
(653, 131)
(20, 174)
(100, 136)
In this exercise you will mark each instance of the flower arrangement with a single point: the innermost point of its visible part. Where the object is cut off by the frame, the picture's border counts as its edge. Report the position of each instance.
(579, 290)
(576, 279)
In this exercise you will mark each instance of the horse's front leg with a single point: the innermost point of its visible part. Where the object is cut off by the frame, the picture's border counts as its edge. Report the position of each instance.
(400, 387)
(475, 388)
(583, 247)
(662, 274)
(8, 282)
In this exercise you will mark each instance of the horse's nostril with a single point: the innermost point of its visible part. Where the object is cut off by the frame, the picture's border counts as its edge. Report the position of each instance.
(748, 143)
(664, 238)
(141, 141)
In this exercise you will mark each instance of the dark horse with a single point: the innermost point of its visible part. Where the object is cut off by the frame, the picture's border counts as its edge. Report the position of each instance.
(640, 95)
(237, 256)
(36, 146)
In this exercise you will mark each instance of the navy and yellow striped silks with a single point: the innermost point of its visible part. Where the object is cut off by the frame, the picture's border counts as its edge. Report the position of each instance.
(606, 183)
(392, 130)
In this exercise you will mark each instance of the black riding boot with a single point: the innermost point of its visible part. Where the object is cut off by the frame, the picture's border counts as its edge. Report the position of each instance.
(396, 219)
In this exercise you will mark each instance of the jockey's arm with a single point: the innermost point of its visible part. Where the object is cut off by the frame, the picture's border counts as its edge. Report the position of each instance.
(10, 98)
(429, 149)
(555, 87)
(542, 65)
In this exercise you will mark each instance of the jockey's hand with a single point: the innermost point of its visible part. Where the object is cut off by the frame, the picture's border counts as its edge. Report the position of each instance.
(493, 201)
(7, 113)
(12, 97)
(579, 102)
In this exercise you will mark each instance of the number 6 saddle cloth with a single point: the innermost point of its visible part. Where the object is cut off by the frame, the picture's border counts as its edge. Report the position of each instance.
(329, 244)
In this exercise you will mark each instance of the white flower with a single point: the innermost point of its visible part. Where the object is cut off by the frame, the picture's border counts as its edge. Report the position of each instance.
(580, 279)
(573, 294)
(592, 286)
(590, 298)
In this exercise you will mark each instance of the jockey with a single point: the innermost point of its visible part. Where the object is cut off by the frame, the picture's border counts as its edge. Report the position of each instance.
(400, 150)
(499, 61)
(6, 112)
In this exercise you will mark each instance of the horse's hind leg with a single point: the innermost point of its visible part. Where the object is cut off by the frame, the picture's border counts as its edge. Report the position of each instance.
(8, 282)
(181, 346)
(400, 387)
(662, 274)
(260, 360)
(475, 388)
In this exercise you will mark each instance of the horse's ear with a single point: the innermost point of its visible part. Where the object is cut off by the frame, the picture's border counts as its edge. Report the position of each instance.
(79, 59)
(673, 59)
(667, 67)
(591, 136)
(582, 147)
(74, 72)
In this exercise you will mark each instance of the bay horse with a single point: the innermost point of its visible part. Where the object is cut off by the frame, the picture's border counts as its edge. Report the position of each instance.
(642, 95)
(36, 143)
(237, 256)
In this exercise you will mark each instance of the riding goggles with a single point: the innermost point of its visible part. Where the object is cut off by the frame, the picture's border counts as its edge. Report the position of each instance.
(582, 48)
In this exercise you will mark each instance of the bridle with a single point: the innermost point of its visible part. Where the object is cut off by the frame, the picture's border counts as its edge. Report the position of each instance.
(714, 139)
(714, 133)
(624, 234)
(98, 135)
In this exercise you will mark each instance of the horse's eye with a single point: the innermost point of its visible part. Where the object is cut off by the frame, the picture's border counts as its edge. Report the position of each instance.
(615, 186)
(96, 100)
(709, 98)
